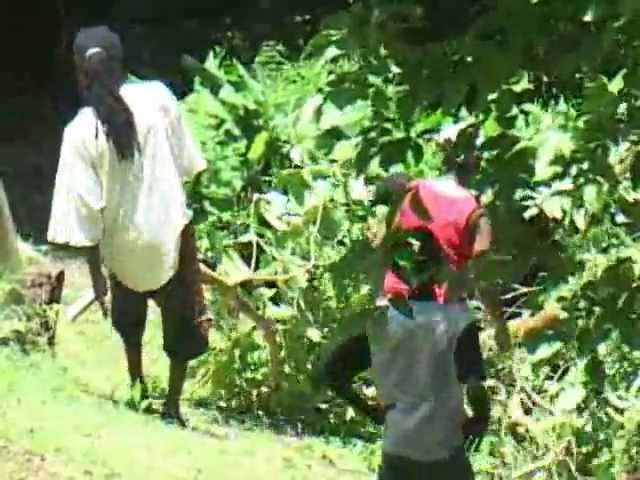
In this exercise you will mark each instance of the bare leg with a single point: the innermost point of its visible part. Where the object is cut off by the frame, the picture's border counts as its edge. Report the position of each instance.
(134, 364)
(177, 377)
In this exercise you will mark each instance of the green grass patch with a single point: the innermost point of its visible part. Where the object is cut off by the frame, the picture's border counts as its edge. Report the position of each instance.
(71, 411)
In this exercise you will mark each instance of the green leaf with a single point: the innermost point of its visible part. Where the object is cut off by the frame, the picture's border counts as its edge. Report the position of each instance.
(330, 54)
(358, 189)
(616, 85)
(593, 198)
(522, 84)
(545, 351)
(307, 123)
(256, 89)
(280, 312)
(491, 127)
(553, 207)
(580, 219)
(229, 95)
(296, 182)
(429, 122)
(552, 143)
(345, 150)
(570, 398)
(352, 119)
(314, 335)
(258, 147)
(319, 194)
(274, 206)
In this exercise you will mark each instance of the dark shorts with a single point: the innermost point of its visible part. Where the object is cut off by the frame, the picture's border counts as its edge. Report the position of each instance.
(456, 467)
(185, 324)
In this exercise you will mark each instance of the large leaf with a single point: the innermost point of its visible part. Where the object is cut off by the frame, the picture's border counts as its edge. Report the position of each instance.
(345, 150)
(551, 144)
(308, 123)
(570, 398)
(352, 119)
(553, 207)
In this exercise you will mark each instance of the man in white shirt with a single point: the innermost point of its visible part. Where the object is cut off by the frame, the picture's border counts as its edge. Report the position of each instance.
(119, 196)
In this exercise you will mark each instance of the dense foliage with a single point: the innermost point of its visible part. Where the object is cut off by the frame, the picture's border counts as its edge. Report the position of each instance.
(547, 94)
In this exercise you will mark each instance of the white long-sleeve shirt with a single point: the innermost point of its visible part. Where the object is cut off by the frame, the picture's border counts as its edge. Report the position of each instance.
(135, 210)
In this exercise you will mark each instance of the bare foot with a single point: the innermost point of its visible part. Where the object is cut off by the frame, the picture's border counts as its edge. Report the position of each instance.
(172, 416)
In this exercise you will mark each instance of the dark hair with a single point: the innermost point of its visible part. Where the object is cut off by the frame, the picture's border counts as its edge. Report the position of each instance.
(103, 78)
(389, 188)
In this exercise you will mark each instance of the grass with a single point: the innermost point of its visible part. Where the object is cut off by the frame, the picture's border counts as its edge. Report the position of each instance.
(64, 418)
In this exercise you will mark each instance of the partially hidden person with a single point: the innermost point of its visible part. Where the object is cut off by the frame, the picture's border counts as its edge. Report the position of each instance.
(119, 197)
(425, 347)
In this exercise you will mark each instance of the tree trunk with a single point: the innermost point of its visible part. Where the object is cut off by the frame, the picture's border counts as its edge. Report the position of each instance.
(9, 253)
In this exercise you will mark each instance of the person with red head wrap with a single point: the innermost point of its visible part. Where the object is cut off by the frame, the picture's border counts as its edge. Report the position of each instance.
(426, 346)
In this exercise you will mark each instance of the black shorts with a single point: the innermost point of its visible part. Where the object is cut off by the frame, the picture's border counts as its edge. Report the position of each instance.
(185, 324)
(456, 467)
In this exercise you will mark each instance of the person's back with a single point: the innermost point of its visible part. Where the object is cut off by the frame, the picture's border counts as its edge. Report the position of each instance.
(144, 203)
(119, 197)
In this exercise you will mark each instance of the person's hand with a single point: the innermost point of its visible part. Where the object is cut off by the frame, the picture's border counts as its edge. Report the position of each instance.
(475, 427)
(377, 414)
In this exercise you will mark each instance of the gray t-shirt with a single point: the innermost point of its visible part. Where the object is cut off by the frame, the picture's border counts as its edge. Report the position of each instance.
(414, 370)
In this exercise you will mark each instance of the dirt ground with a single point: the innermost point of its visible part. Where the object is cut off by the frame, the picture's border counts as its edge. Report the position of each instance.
(18, 464)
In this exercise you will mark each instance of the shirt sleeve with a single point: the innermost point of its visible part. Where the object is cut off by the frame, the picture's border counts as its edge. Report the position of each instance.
(76, 211)
(187, 155)
(468, 355)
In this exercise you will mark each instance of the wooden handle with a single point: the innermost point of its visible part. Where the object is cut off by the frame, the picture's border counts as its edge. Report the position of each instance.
(78, 309)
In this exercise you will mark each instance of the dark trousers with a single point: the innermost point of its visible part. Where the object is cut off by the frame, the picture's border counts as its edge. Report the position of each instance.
(185, 323)
(456, 467)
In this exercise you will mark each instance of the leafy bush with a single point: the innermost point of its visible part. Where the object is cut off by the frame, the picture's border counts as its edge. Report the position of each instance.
(24, 324)
(294, 144)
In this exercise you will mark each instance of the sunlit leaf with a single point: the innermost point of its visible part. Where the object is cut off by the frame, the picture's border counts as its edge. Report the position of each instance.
(522, 84)
(580, 219)
(553, 207)
(345, 150)
(314, 335)
(358, 189)
(616, 84)
(552, 144)
(307, 124)
(545, 351)
(592, 195)
(570, 398)
(258, 147)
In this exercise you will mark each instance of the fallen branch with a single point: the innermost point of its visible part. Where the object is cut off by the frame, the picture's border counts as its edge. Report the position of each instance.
(527, 327)
(232, 296)
(210, 277)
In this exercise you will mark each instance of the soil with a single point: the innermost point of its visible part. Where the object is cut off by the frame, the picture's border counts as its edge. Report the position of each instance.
(19, 464)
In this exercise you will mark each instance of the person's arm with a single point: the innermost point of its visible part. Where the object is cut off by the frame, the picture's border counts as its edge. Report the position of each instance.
(98, 280)
(345, 362)
(76, 211)
(479, 233)
(470, 371)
